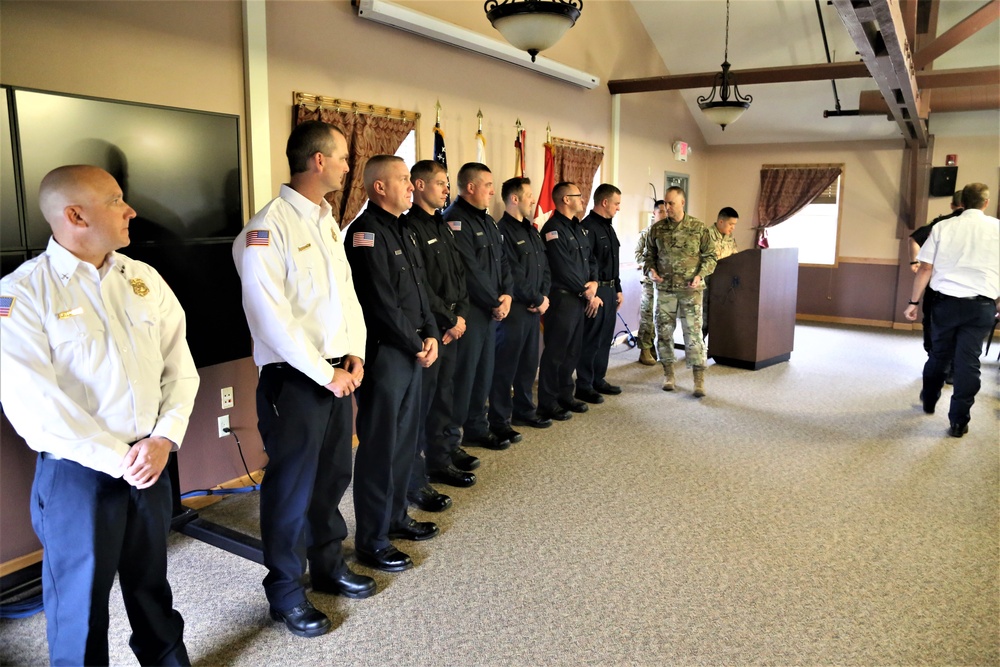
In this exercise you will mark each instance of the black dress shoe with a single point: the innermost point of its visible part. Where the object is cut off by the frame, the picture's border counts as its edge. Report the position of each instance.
(463, 460)
(507, 434)
(558, 413)
(388, 559)
(489, 441)
(588, 395)
(607, 388)
(428, 499)
(304, 620)
(451, 476)
(418, 531)
(958, 430)
(533, 422)
(929, 404)
(347, 583)
(575, 406)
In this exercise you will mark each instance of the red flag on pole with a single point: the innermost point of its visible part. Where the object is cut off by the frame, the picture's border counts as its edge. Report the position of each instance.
(545, 203)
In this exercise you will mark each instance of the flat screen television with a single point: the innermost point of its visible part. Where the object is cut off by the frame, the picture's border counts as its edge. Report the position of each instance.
(180, 171)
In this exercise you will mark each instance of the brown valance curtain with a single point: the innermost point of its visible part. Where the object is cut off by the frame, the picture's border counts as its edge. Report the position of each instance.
(786, 190)
(577, 163)
(367, 135)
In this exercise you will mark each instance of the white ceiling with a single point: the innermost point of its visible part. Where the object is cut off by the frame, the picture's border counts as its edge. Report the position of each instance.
(690, 37)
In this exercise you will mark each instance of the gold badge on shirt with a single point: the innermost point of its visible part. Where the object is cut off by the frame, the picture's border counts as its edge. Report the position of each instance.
(139, 287)
(333, 233)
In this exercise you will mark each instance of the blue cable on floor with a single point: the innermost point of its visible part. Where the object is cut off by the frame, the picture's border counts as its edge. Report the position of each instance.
(22, 608)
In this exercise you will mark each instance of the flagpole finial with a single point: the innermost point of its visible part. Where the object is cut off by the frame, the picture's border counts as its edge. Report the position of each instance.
(548, 133)
(517, 124)
(479, 116)
(437, 108)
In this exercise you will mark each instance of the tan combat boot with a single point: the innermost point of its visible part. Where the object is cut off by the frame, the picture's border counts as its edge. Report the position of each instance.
(646, 357)
(668, 377)
(699, 381)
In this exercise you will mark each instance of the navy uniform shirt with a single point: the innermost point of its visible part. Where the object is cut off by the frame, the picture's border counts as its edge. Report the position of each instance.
(604, 246)
(479, 243)
(388, 277)
(568, 251)
(529, 268)
(444, 271)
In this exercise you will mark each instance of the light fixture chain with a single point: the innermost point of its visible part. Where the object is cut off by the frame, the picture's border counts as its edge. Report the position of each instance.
(726, 57)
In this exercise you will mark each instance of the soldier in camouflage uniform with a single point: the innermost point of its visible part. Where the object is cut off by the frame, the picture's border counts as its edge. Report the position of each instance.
(721, 234)
(646, 331)
(679, 254)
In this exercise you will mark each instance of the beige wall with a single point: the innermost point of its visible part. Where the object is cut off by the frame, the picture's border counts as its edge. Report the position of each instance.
(978, 162)
(872, 171)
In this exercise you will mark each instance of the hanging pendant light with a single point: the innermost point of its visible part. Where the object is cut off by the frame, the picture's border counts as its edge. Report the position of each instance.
(533, 25)
(724, 111)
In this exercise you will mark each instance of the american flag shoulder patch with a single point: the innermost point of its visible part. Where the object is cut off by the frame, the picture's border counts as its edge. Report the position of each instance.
(363, 239)
(6, 305)
(456, 225)
(551, 236)
(260, 237)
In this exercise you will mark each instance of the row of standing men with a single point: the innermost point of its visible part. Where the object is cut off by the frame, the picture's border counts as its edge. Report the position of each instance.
(429, 315)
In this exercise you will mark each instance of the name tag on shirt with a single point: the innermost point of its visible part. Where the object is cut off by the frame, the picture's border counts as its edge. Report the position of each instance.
(521, 242)
(397, 252)
(432, 241)
(66, 314)
(308, 245)
(479, 233)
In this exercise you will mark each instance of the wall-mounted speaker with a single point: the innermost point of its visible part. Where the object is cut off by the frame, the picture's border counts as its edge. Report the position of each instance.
(943, 181)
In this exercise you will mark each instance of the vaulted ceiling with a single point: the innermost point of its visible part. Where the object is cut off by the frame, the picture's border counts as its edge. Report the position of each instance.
(689, 35)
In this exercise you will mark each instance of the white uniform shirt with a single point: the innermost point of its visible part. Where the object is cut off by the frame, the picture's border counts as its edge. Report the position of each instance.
(965, 253)
(91, 360)
(298, 291)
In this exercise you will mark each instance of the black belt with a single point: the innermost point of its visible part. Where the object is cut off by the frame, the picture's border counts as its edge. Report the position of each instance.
(566, 291)
(605, 283)
(281, 365)
(978, 297)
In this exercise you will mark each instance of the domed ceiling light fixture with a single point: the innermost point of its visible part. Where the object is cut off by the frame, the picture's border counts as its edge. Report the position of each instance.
(533, 25)
(724, 111)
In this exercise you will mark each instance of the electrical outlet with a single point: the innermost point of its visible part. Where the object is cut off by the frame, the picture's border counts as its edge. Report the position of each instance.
(227, 398)
(223, 425)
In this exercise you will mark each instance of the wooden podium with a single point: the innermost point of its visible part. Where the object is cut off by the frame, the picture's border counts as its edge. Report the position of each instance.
(752, 308)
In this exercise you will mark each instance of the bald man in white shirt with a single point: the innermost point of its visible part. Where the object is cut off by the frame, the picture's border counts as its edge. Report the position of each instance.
(97, 378)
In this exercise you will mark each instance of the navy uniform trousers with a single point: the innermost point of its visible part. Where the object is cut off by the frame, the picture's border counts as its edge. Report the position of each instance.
(389, 408)
(474, 375)
(437, 394)
(91, 526)
(515, 368)
(959, 328)
(563, 340)
(307, 436)
(598, 334)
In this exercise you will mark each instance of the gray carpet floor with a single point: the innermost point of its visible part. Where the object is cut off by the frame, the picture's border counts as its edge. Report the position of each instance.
(804, 514)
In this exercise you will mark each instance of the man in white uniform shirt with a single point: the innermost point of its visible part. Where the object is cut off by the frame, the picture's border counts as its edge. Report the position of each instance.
(961, 261)
(309, 340)
(97, 378)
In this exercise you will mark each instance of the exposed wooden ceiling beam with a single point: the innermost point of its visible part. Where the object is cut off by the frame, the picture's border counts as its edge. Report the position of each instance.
(957, 34)
(909, 10)
(885, 51)
(791, 73)
(956, 78)
(980, 98)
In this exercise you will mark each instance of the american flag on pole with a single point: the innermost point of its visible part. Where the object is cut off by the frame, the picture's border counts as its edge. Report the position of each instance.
(441, 156)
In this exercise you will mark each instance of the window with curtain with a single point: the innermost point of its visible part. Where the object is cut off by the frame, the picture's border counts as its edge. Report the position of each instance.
(814, 229)
(370, 129)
